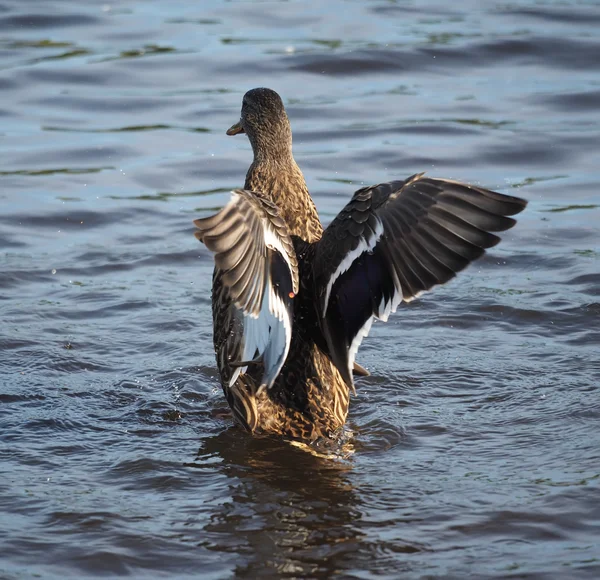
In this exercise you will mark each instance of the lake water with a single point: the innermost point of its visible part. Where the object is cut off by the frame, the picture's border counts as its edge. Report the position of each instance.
(477, 435)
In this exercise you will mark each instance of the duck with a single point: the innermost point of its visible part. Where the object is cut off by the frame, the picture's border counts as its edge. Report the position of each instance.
(292, 301)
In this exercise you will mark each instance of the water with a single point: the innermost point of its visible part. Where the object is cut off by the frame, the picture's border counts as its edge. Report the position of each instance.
(477, 448)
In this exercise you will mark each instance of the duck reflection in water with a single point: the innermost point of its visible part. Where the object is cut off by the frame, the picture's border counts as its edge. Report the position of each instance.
(287, 512)
(285, 506)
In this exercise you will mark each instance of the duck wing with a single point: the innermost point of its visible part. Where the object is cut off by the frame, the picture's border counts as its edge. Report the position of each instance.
(392, 242)
(257, 265)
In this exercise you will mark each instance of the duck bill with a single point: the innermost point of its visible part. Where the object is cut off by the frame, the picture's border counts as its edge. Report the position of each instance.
(235, 129)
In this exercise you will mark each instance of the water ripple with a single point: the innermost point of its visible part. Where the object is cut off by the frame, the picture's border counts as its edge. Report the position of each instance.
(471, 449)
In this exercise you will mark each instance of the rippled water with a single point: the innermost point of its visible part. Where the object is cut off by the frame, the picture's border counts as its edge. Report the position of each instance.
(477, 446)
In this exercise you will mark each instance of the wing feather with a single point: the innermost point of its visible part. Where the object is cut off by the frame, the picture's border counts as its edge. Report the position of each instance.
(394, 241)
(257, 265)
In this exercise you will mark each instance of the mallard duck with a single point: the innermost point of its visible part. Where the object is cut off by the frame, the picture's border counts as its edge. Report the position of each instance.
(292, 301)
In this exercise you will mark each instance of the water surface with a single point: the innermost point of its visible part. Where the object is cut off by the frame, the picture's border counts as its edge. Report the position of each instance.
(477, 448)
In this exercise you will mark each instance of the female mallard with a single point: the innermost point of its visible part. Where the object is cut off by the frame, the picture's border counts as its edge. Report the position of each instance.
(292, 302)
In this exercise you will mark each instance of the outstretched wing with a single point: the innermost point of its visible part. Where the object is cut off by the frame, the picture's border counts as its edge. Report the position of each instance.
(392, 242)
(257, 265)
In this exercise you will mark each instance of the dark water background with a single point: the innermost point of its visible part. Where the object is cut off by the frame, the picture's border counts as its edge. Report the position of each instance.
(477, 435)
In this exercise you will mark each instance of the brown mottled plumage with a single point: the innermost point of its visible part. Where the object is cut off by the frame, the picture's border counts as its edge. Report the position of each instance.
(309, 399)
(390, 243)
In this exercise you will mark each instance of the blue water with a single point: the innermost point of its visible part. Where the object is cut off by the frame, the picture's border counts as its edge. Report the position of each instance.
(476, 440)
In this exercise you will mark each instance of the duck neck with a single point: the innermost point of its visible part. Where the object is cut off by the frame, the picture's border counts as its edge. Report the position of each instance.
(282, 180)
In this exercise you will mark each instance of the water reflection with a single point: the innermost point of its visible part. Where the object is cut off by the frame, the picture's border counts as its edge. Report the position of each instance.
(289, 512)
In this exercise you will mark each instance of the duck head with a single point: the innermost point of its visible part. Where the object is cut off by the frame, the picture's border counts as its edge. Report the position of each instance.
(266, 123)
